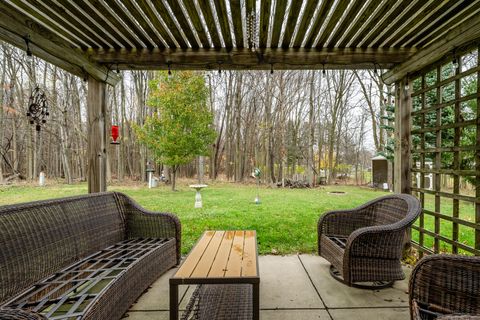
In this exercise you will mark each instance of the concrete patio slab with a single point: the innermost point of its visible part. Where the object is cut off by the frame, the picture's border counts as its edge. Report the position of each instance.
(148, 315)
(157, 298)
(185, 298)
(264, 314)
(294, 315)
(288, 290)
(371, 314)
(284, 284)
(338, 295)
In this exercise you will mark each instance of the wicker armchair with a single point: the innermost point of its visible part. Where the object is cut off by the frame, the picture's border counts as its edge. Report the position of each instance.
(364, 245)
(445, 287)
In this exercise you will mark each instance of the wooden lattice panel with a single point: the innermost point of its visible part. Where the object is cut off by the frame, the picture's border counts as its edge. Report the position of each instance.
(446, 153)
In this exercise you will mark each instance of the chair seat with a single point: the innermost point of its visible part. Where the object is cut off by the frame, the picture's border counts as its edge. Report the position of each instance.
(340, 241)
(73, 291)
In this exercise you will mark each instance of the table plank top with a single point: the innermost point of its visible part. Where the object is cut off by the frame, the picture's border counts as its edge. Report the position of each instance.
(221, 255)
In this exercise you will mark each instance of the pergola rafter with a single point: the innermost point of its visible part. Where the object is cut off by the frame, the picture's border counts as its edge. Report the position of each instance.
(176, 26)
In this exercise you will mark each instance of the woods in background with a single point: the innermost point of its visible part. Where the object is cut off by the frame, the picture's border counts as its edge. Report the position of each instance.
(299, 125)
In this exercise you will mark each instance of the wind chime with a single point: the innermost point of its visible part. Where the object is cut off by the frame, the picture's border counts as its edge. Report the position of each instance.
(252, 31)
(38, 108)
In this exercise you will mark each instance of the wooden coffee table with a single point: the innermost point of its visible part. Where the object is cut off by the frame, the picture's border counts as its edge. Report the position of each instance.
(220, 257)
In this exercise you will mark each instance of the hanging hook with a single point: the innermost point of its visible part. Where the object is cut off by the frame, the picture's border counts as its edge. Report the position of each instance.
(407, 85)
(454, 60)
(85, 75)
(219, 68)
(27, 43)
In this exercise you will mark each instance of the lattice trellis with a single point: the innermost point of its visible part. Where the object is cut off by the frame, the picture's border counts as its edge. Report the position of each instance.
(446, 153)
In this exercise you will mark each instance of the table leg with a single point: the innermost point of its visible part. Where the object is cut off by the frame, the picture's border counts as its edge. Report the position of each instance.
(256, 301)
(173, 301)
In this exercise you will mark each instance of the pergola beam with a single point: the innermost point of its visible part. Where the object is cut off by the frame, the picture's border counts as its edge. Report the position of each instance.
(14, 27)
(262, 59)
(457, 37)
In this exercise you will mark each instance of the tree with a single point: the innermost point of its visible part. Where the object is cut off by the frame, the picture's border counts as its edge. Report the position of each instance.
(179, 129)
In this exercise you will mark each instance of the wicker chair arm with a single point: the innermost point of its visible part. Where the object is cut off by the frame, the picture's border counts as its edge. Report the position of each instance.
(384, 241)
(144, 223)
(19, 314)
(449, 282)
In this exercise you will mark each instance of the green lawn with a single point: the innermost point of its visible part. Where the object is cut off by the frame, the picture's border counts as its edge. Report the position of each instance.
(466, 235)
(285, 221)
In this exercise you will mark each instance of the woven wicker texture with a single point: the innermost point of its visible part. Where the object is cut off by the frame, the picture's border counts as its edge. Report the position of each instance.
(446, 287)
(220, 302)
(17, 314)
(375, 235)
(39, 239)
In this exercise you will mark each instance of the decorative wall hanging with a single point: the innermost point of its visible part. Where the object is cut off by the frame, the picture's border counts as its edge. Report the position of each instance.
(38, 108)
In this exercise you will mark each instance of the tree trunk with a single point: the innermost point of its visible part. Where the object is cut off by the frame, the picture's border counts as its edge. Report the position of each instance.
(238, 176)
(201, 164)
(174, 177)
(2, 104)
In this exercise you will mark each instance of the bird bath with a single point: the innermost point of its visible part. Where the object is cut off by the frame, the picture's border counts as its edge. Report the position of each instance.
(198, 196)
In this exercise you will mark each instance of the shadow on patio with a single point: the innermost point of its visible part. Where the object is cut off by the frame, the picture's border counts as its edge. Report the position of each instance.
(294, 287)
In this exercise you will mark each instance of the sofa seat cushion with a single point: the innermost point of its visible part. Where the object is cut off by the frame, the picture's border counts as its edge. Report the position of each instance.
(104, 284)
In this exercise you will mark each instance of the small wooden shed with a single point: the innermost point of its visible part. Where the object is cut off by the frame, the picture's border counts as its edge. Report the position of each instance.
(380, 172)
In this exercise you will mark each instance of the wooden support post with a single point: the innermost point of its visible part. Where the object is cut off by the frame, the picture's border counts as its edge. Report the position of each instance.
(97, 136)
(403, 146)
(438, 163)
(402, 165)
(477, 161)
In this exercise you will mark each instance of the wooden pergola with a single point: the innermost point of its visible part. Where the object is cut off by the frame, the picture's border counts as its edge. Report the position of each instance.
(92, 38)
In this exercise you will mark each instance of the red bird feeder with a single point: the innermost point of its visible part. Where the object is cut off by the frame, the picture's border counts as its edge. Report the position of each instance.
(115, 135)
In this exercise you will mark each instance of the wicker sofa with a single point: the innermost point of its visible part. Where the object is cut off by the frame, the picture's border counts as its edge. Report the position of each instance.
(364, 245)
(83, 257)
(445, 286)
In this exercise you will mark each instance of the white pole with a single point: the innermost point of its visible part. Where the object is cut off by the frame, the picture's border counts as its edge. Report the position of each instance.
(41, 179)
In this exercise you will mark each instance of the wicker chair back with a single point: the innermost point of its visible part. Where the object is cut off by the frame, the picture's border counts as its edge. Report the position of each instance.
(388, 211)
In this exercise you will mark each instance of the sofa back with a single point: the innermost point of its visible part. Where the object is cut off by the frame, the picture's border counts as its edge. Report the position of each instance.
(40, 238)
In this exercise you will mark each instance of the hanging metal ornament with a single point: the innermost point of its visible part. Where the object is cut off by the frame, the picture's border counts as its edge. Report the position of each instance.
(252, 31)
(38, 108)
